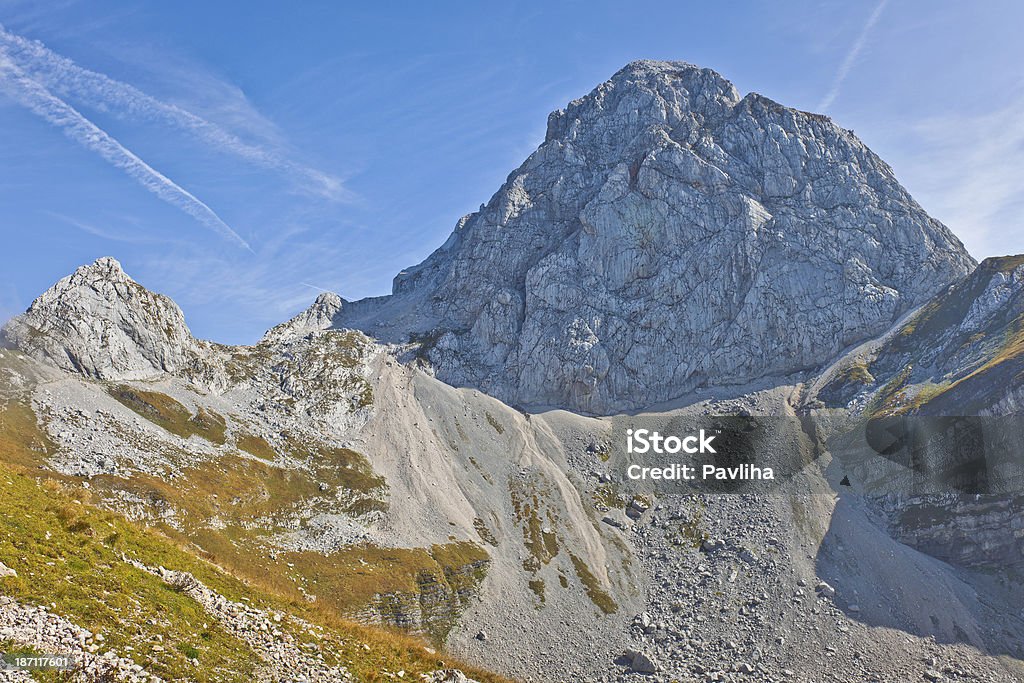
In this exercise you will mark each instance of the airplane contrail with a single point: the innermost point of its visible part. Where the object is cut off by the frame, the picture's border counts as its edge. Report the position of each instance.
(851, 56)
(64, 77)
(37, 99)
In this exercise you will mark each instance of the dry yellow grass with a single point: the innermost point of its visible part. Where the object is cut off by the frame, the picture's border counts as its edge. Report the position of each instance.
(68, 551)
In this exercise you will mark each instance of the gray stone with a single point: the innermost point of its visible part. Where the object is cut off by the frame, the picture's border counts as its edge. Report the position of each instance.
(669, 234)
(642, 663)
(102, 324)
(319, 316)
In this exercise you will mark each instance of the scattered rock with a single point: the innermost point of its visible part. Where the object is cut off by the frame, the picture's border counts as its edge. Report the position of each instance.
(825, 590)
(641, 663)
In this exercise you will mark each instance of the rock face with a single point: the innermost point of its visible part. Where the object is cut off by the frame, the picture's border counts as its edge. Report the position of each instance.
(954, 373)
(983, 531)
(961, 354)
(669, 234)
(319, 316)
(969, 341)
(102, 324)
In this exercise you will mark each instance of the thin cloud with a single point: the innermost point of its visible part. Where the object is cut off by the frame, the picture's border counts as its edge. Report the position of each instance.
(40, 101)
(969, 172)
(90, 229)
(851, 57)
(263, 291)
(314, 287)
(69, 80)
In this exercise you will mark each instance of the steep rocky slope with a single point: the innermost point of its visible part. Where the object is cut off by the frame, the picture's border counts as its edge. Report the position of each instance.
(322, 466)
(945, 385)
(961, 354)
(667, 235)
(327, 470)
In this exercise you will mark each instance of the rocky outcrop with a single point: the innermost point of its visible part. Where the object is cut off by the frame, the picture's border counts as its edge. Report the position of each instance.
(960, 354)
(669, 234)
(971, 531)
(319, 316)
(434, 608)
(102, 324)
(942, 392)
(38, 628)
(267, 633)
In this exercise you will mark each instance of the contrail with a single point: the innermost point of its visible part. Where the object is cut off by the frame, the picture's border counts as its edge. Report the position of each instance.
(67, 79)
(851, 56)
(56, 111)
(319, 289)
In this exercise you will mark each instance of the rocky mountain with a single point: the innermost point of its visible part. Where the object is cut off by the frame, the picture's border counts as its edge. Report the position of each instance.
(947, 383)
(317, 463)
(373, 461)
(669, 234)
(102, 324)
(319, 316)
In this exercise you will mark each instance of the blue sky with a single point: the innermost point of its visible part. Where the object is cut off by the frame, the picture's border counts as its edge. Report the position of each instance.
(239, 158)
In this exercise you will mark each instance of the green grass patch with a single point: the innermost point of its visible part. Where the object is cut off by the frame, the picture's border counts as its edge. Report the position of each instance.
(58, 545)
(22, 443)
(606, 497)
(856, 373)
(440, 580)
(493, 421)
(256, 445)
(542, 546)
(241, 491)
(595, 592)
(484, 532)
(537, 586)
(164, 411)
(342, 467)
(67, 552)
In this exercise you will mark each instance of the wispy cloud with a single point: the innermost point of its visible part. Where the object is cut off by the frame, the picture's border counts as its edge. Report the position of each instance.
(137, 237)
(315, 288)
(66, 79)
(851, 58)
(968, 171)
(39, 100)
(263, 291)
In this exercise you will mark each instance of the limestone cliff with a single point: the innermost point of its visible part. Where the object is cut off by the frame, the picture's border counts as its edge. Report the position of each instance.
(669, 234)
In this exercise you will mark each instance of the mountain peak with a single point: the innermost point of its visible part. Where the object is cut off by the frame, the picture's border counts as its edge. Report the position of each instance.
(641, 94)
(319, 316)
(101, 323)
(107, 265)
(668, 235)
(640, 69)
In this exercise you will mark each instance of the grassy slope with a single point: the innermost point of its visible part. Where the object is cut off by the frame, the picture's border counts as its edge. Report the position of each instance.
(253, 498)
(67, 553)
(171, 415)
